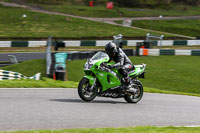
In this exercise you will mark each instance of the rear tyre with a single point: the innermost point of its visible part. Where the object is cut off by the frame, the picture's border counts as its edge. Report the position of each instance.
(84, 90)
(136, 97)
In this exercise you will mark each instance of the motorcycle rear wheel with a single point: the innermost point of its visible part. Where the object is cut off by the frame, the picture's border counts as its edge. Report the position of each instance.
(135, 98)
(83, 90)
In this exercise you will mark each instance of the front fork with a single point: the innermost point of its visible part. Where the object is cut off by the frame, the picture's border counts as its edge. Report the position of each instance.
(92, 82)
(91, 89)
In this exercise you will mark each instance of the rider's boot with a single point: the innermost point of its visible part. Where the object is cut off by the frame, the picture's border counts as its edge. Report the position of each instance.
(128, 86)
(126, 82)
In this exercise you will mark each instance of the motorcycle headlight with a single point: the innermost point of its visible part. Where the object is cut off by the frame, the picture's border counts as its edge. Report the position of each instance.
(88, 66)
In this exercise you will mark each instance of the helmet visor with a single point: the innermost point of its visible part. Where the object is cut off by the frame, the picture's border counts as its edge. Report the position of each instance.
(110, 51)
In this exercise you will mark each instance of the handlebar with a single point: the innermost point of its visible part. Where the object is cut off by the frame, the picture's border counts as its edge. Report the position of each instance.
(104, 66)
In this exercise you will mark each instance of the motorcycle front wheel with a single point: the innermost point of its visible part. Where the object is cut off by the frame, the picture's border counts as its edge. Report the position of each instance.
(85, 92)
(134, 98)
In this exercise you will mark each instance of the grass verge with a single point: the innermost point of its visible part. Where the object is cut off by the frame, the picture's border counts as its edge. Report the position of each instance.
(155, 90)
(43, 83)
(43, 25)
(183, 27)
(165, 74)
(139, 129)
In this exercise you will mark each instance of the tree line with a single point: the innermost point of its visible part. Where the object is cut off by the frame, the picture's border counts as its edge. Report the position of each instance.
(121, 3)
(152, 3)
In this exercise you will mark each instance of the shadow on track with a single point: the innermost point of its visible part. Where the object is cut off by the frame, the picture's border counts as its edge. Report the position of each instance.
(80, 101)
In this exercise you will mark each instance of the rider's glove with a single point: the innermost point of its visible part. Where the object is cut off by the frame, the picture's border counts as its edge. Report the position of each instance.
(110, 66)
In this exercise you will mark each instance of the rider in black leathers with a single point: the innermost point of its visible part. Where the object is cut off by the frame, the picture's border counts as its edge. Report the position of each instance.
(122, 62)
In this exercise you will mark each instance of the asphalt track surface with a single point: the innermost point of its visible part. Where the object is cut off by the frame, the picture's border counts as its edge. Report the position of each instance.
(25, 109)
(23, 56)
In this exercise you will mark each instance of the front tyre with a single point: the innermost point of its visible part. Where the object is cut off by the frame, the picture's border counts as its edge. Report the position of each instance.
(137, 96)
(85, 92)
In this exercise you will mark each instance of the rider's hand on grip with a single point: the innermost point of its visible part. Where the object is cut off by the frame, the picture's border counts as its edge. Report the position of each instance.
(110, 66)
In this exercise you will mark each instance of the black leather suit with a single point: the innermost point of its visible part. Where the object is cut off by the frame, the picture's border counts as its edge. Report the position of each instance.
(122, 62)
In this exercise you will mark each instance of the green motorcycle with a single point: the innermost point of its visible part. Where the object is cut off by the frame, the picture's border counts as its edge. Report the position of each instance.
(101, 81)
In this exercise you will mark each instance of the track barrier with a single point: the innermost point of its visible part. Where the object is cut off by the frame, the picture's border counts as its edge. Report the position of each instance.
(78, 43)
(157, 52)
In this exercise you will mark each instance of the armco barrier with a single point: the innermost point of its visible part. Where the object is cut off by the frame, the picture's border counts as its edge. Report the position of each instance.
(157, 52)
(97, 43)
(180, 43)
(167, 52)
(19, 44)
(154, 52)
(183, 52)
(196, 52)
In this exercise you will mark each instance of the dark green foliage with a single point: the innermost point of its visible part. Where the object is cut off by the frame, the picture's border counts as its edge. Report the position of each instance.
(69, 2)
(138, 3)
(121, 3)
(189, 2)
(154, 3)
(101, 11)
(96, 2)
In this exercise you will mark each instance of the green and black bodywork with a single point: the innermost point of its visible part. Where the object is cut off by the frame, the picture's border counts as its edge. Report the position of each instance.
(104, 82)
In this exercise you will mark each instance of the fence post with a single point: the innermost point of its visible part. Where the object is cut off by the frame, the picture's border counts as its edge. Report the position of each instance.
(117, 39)
(48, 56)
(148, 36)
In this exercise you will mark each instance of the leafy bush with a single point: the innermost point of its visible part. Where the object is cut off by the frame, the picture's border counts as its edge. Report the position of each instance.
(122, 3)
